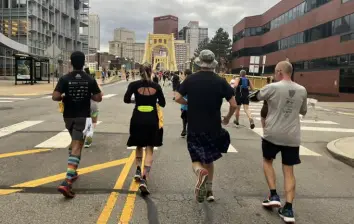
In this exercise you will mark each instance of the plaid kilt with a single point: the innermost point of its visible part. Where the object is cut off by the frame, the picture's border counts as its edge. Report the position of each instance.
(207, 147)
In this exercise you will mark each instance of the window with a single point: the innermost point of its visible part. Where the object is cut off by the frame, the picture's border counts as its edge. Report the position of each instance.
(346, 80)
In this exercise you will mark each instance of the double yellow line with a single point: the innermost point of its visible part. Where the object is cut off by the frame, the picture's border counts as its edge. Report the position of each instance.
(128, 208)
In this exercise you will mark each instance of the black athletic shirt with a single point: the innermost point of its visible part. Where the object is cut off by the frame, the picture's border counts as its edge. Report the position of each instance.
(205, 91)
(78, 88)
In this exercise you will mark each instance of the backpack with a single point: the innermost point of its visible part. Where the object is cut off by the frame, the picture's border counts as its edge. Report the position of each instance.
(244, 83)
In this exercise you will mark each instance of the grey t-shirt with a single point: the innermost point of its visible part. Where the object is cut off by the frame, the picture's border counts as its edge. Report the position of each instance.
(286, 100)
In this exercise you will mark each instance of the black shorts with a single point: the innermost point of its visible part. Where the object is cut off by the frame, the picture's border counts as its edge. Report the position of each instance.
(290, 155)
(184, 114)
(76, 126)
(242, 99)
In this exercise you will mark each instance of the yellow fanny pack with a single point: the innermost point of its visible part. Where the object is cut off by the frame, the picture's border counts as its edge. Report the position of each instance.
(61, 107)
(160, 115)
(145, 109)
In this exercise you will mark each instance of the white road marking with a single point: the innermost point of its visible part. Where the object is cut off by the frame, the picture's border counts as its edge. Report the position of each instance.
(58, 141)
(303, 150)
(311, 121)
(109, 96)
(345, 113)
(231, 149)
(6, 101)
(258, 109)
(134, 147)
(17, 127)
(46, 97)
(343, 130)
(12, 98)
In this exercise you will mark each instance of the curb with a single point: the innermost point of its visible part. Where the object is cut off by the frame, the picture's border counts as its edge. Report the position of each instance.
(338, 154)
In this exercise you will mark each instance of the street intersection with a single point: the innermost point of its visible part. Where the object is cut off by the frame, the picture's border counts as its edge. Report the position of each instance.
(33, 154)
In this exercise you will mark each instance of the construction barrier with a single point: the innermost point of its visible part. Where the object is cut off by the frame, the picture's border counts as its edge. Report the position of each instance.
(257, 81)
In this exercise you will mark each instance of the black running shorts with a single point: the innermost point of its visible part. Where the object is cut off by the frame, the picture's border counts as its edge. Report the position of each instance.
(290, 155)
(242, 100)
(76, 126)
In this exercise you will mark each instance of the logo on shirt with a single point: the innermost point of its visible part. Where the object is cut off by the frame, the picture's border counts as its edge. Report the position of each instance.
(292, 93)
(78, 76)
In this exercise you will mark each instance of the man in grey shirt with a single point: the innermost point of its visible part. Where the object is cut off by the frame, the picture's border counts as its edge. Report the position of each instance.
(286, 101)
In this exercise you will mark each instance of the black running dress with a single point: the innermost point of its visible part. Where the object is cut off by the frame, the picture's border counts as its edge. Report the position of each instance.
(144, 124)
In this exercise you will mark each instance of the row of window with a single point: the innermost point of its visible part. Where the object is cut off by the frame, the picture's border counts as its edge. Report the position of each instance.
(338, 26)
(347, 37)
(343, 62)
(285, 18)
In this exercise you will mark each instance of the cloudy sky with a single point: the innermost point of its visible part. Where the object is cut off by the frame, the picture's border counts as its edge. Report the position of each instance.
(138, 15)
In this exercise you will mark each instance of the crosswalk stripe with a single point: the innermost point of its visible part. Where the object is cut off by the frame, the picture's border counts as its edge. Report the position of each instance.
(343, 130)
(231, 149)
(134, 147)
(46, 97)
(6, 101)
(58, 141)
(109, 96)
(12, 98)
(17, 127)
(303, 150)
(310, 121)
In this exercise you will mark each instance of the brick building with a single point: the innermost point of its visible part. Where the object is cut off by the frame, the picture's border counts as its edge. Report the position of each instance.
(166, 25)
(316, 35)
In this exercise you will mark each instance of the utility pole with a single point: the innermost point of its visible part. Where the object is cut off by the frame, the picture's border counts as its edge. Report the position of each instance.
(77, 23)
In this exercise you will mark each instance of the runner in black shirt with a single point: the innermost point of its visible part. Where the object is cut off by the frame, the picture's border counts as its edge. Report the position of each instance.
(75, 90)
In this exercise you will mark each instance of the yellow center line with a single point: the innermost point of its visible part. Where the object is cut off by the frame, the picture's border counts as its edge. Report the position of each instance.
(50, 179)
(129, 205)
(112, 199)
(25, 152)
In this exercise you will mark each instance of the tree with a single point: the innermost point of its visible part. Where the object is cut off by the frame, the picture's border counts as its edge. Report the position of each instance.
(220, 44)
(201, 46)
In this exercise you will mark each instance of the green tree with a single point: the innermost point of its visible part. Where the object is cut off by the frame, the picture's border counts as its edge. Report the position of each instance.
(201, 46)
(220, 44)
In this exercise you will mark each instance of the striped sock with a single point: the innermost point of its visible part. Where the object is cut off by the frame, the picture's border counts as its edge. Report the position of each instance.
(73, 163)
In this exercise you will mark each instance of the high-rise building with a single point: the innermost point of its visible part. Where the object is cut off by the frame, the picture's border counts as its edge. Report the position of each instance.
(124, 45)
(31, 27)
(94, 33)
(125, 35)
(182, 54)
(193, 34)
(317, 37)
(166, 25)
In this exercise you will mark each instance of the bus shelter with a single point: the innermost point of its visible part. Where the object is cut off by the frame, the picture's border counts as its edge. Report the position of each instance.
(31, 69)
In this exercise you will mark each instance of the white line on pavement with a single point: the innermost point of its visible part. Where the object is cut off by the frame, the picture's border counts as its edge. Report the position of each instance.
(17, 127)
(109, 96)
(303, 150)
(58, 141)
(134, 147)
(310, 121)
(46, 97)
(231, 149)
(345, 113)
(12, 98)
(343, 130)
(6, 101)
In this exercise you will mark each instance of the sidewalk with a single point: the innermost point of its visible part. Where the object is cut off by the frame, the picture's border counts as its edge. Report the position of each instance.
(8, 87)
(343, 150)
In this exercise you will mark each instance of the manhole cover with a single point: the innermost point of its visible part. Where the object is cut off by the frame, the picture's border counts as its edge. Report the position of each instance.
(6, 108)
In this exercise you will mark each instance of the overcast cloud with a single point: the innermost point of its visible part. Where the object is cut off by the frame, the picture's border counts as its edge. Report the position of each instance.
(138, 15)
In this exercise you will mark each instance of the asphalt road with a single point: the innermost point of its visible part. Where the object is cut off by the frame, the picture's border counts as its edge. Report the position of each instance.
(33, 159)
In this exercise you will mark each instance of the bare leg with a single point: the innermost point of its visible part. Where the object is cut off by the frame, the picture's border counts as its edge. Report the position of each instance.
(289, 183)
(209, 183)
(138, 156)
(263, 122)
(249, 115)
(269, 173)
(237, 114)
(149, 151)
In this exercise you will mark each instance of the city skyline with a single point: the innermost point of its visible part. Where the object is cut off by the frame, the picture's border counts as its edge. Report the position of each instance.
(224, 14)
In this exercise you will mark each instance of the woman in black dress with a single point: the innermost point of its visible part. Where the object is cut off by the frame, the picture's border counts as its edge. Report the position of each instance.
(144, 124)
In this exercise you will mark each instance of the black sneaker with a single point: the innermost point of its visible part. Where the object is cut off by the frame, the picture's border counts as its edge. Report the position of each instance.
(143, 187)
(252, 126)
(183, 134)
(137, 176)
(236, 122)
(272, 201)
(287, 215)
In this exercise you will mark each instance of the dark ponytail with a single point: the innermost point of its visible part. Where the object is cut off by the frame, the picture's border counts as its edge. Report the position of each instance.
(145, 72)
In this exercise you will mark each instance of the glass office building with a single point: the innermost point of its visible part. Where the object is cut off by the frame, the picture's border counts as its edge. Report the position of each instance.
(317, 36)
(32, 26)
